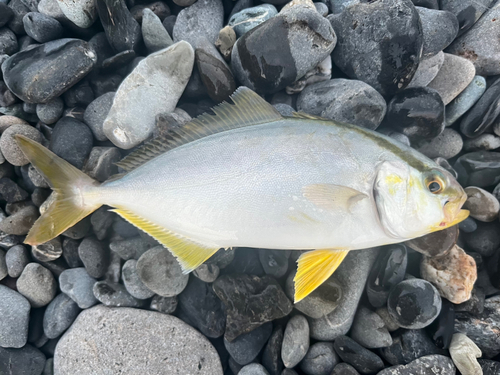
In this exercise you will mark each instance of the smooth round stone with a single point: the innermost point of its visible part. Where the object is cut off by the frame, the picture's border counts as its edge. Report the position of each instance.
(9, 147)
(165, 305)
(16, 258)
(48, 251)
(41, 27)
(483, 206)
(320, 359)
(480, 168)
(253, 369)
(127, 340)
(300, 38)
(94, 256)
(427, 70)
(5, 14)
(479, 45)
(168, 24)
(467, 11)
(485, 240)
(123, 35)
(484, 113)
(20, 222)
(246, 19)
(114, 295)
(271, 354)
(363, 360)
(416, 112)
(389, 322)
(8, 42)
(274, 262)
(295, 341)
(3, 266)
(21, 70)
(82, 13)
(59, 315)
(155, 36)
(12, 193)
(25, 361)
(245, 348)
(453, 274)
(389, 270)
(50, 112)
(15, 313)
(424, 365)
(464, 353)
(350, 101)
(453, 77)
(96, 113)
(321, 8)
(77, 284)
(207, 272)
(446, 145)
(214, 72)
(369, 330)
(465, 100)
(37, 284)
(130, 248)
(362, 54)
(344, 369)
(439, 29)
(468, 225)
(161, 273)
(202, 19)
(485, 142)
(414, 303)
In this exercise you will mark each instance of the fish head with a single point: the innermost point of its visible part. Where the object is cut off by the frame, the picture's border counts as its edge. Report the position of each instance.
(413, 202)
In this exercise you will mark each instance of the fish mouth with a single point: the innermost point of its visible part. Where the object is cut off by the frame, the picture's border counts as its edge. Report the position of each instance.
(453, 214)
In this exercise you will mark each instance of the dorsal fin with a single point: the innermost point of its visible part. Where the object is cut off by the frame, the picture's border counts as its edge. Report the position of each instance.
(248, 109)
(308, 116)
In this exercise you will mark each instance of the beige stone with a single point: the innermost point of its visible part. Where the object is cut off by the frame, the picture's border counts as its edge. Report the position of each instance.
(464, 353)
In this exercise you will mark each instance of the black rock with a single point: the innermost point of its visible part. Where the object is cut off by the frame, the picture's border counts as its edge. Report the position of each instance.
(114, 295)
(445, 325)
(199, 302)
(274, 262)
(408, 345)
(389, 270)
(439, 29)
(118, 61)
(80, 95)
(480, 168)
(466, 11)
(387, 63)
(414, 303)
(485, 240)
(8, 42)
(5, 14)
(122, 30)
(61, 63)
(71, 140)
(417, 112)
(469, 225)
(245, 347)
(489, 367)
(435, 243)
(344, 369)
(166, 305)
(244, 260)
(94, 257)
(11, 192)
(16, 22)
(41, 27)
(475, 305)
(26, 361)
(250, 302)
(59, 315)
(70, 252)
(363, 360)
(271, 355)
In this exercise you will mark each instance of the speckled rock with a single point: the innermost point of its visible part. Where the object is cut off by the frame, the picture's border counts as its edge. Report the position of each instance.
(37, 284)
(8, 144)
(130, 340)
(446, 145)
(15, 312)
(245, 348)
(295, 341)
(82, 13)
(483, 205)
(427, 365)
(59, 315)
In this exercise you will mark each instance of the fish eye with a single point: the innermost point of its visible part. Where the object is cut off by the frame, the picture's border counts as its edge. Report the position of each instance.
(435, 186)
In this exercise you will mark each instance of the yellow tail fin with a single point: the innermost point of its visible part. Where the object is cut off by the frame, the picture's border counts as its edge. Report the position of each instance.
(68, 184)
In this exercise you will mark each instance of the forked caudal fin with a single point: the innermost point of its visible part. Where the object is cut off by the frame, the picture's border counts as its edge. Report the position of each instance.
(67, 183)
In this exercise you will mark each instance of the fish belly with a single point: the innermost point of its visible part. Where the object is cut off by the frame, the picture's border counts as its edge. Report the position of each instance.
(245, 188)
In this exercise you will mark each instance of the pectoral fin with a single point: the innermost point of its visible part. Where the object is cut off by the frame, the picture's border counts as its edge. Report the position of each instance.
(314, 267)
(332, 197)
(189, 253)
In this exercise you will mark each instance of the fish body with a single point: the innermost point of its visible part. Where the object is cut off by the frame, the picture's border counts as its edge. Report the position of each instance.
(248, 177)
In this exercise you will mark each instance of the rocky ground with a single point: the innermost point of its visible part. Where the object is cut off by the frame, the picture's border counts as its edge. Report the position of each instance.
(92, 80)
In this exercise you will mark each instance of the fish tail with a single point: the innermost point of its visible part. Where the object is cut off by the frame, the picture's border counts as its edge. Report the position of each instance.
(74, 193)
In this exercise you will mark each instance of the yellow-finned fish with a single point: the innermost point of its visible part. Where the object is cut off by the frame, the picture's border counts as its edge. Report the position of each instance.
(248, 177)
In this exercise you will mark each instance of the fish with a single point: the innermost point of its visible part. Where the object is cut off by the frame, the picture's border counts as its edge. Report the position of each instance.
(245, 176)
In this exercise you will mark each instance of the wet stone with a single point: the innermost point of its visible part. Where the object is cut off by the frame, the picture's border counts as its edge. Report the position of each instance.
(250, 302)
(51, 111)
(484, 142)
(15, 310)
(16, 258)
(41, 27)
(431, 364)
(479, 168)
(368, 329)
(94, 256)
(465, 100)
(439, 29)
(483, 206)
(363, 360)
(485, 240)
(247, 19)
(21, 70)
(446, 145)
(59, 315)
(247, 346)
(416, 112)
(436, 243)
(320, 359)
(363, 55)
(78, 284)
(414, 303)
(350, 101)
(71, 140)
(271, 354)
(165, 305)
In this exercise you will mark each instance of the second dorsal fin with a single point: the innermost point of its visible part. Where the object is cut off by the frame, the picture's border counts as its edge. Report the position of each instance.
(248, 109)
(308, 116)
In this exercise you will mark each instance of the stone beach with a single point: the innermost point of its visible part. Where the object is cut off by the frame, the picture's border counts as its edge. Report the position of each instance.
(93, 80)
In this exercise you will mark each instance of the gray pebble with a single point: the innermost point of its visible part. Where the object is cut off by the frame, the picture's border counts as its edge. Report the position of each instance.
(166, 305)
(427, 70)
(100, 164)
(369, 330)
(321, 8)
(483, 205)
(388, 320)
(161, 273)
(245, 348)
(15, 313)
(37, 284)
(49, 367)
(446, 145)
(16, 258)
(485, 142)
(295, 341)
(41, 27)
(36, 178)
(132, 282)
(96, 113)
(467, 11)
(439, 29)
(48, 251)
(50, 112)
(155, 36)
(20, 222)
(320, 359)
(253, 369)
(465, 100)
(8, 144)
(114, 295)
(94, 257)
(284, 109)
(77, 284)
(5, 14)
(59, 315)
(8, 42)
(130, 248)
(101, 220)
(3, 265)
(82, 13)
(207, 272)
(344, 369)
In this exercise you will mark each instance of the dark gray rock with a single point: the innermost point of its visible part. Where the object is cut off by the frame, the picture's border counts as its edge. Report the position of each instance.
(428, 365)
(271, 355)
(16, 258)
(369, 330)
(245, 348)
(70, 253)
(8, 42)
(77, 284)
(94, 256)
(155, 36)
(130, 248)
(274, 262)
(5, 14)
(466, 11)
(15, 312)
(114, 295)
(344, 369)
(133, 283)
(51, 111)
(20, 222)
(12, 192)
(59, 315)
(25, 361)
(295, 341)
(320, 359)
(166, 305)
(363, 360)
(439, 29)
(483, 205)
(100, 164)
(249, 18)
(37, 284)
(489, 367)
(479, 168)
(253, 369)
(101, 220)
(485, 240)
(16, 21)
(20, 70)
(41, 27)
(465, 100)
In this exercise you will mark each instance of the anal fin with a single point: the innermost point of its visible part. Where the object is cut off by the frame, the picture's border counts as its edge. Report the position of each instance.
(314, 267)
(189, 253)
